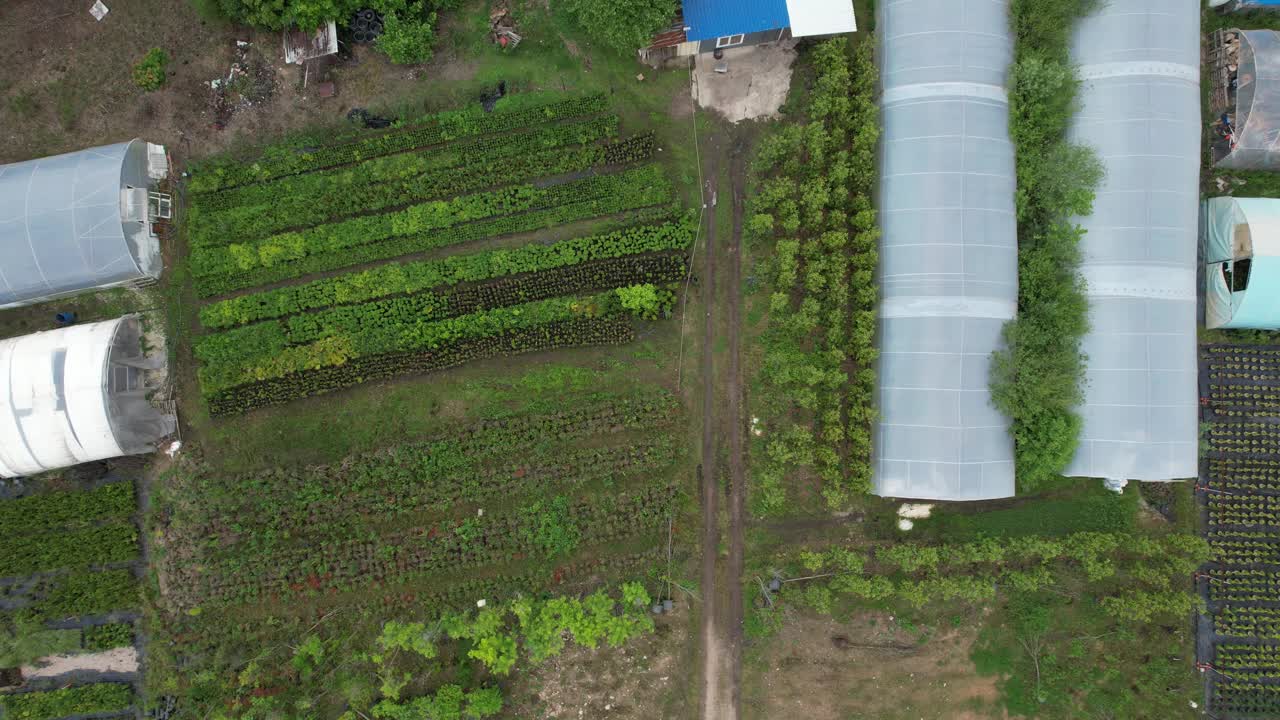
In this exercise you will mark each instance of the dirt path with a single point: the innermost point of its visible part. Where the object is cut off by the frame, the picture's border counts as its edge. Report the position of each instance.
(712, 649)
(734, 427)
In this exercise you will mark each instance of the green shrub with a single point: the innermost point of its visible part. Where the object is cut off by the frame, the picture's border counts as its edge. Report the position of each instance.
(149, 72)
(622, 25)
(82, 700)
(407, 38)
(107, 637)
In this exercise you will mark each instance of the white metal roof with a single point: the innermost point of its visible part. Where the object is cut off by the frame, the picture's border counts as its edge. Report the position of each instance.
(53, 407)
(821, 17)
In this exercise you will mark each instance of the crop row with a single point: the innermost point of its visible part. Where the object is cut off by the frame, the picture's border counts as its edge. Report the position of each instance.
(346, 516)
(407, 278)
(1243, 584)
(68, 549)
(80, 700)
(580, 332)
(1257, 622)
(72, 595)
(376, 333)
(409, 467)
(1228, 656)
(246, 223)
(1245, 699)
(334, 566)
(468, 154)
(226, 354)
(601, 196)
(225, 173)
(1231, 551)
(59, 509)
(1229, 352)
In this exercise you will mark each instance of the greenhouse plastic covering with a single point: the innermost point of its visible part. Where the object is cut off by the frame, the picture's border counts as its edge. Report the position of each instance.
(1140, 109)
(63, 402)
(948, 250)
(61, 229)
(1257, 120)
(1235, 229)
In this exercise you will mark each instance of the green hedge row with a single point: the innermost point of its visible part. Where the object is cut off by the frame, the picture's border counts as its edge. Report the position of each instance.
(48, 511)
(580, 332)
(303, 210)
(219, 174)
(107, 637)
(471, 153)
(408, 278)
(645, 196)
(84, 593)
(80, 700)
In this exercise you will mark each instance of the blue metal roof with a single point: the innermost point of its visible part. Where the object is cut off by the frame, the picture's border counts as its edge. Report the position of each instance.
(708, 19)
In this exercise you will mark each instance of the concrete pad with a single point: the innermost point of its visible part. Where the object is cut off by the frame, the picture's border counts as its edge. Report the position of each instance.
(754, 86)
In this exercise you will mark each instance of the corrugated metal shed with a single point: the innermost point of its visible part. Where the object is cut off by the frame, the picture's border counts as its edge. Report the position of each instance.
(709, 19)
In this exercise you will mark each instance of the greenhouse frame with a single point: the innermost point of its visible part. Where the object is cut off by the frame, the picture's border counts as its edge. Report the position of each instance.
(1255, 138)
(949, 261)
(81, 221)
(1241, 242)
(1140, 110)
(77, 394)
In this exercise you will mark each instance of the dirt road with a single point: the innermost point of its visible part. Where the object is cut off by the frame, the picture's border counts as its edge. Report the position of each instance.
(734, 426)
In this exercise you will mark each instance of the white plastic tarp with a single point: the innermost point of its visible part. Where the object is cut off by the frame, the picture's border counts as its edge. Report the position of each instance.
(948, 250)
(53, 400)
(820, 17)
(1140, 109)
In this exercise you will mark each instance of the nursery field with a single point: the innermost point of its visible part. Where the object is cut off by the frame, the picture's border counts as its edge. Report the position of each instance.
(514, 474)
(68, 586)
(549, 232)
(1241, 493)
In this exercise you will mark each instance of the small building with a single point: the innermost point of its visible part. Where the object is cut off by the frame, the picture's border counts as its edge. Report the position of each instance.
(75, 395)
(1241, 244)
(710, 25)
(82, 221)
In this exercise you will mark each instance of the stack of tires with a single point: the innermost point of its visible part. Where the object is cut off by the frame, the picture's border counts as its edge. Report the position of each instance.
(366, 26)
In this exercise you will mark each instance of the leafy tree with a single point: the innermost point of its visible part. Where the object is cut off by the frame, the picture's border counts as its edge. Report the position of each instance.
(408, 35)
(622, 25)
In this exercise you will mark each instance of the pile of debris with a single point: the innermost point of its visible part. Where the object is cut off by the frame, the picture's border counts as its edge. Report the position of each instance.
(502, 28)
(249, 82)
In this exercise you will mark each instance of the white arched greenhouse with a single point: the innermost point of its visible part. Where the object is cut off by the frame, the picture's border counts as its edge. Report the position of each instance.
(81, 221)
(1140, 110)
(949, 266)
(1254, 142)
(75, 395)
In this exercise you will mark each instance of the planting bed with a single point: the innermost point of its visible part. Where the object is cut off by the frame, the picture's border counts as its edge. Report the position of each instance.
(68, 584)
(486, 511)
(452, 179)
(1240, 490)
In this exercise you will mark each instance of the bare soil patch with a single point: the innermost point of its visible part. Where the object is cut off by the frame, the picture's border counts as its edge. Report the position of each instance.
(868, 668)
(643, 680)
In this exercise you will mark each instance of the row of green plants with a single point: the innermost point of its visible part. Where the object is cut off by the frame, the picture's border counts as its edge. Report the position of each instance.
(408, 278)
(63, 509)
(576, 333)
(75, 595)
(248, 222)
(473, 154)
(79, 700)
(24, 639)
(374, 331)
(68, 549)
(813, 211)
(636, 197)
(542, 531)
(220, 173)
(1037, 378)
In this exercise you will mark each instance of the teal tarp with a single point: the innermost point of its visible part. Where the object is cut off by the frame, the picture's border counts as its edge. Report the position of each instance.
(1241, 239)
